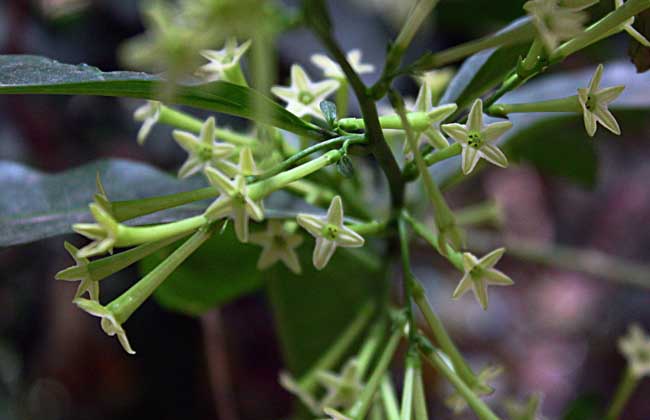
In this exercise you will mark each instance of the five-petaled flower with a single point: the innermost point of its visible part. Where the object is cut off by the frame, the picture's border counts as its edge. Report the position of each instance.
(203, 150)
(103, 233)
(341, 390)
(479, 273)
(594, 101)
(110, 322)
(303, 97)
(437, 114)
(223, 60)
(148, 114)
(635, 346)
(79, 272)
(476, 139)
(330, 233)
(234, 201)
(332, 69)
(557, 20)
(278, 245)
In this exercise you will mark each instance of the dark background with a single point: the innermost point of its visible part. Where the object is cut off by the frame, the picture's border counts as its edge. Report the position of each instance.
(555, 332)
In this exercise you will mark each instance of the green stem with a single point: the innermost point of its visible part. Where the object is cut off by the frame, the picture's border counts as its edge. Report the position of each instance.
(101, 268)
(370, 347)
(342, 98)
(535, 53)
(411, 172)
(189, 123)
(136, 235)
(377, 143)
(324, 145)
(338, 349)
(420, 400)
(407, 277)
(481, 410)
(454, 257)
(361, 407)
(600, 29)
(130, 209)
(516, 35)
(130, 300)
(569, 104)
(419, 121)
(407, 392)
(389, 399)
(370, 228)
(625, 388)
(487, 212)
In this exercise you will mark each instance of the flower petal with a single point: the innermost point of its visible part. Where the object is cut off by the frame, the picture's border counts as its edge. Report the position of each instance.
(218, 179)
(424, 100)
(312, 224)
(440, 113)
(299, 78)
(187, 141)
(220, 208)
(609, 94)
(480, 292)
(498, 278)
(456, 131)
(323, 252)
(349, 238)
(491, 259)
(254, 210)
(335, 212)
(207, 131)
(475, 118)
(636, 35)
(494, 155)
(464, 285)
(495, 130)
(286, 94)
(191, 166)
(240, 217)
(590, 122)
(607, 119)
(290, 259)
(595, 80)
(470, 158)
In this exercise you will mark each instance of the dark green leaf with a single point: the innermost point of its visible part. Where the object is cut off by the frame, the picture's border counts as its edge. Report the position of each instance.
(220, 271)
(482, 72)
(639, 54)
(312, 309)
(26, 74)
(35, 205)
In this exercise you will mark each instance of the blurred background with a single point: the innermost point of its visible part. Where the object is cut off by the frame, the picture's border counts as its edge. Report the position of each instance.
(555, 332)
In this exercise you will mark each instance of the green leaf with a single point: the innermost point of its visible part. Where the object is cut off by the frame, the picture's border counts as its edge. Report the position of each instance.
(639, 54)
(312, 309)
(26, 74)
(483, 71)
(221, 270)
(36, 205)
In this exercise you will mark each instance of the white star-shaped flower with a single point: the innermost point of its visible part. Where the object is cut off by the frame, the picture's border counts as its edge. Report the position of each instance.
(341, 390)
(555, 21)
(110, 324)
(148, 114)
(330, 233)
(203, 150)
(627, 27)
(332, 69)
(594, 101)
(222, 60)
(278, 245)
(234, 201)
(481, 273)
(303, 97)
(476, 139)
(635, 346)
(424, 103)
(79, 272)
(103, 233)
